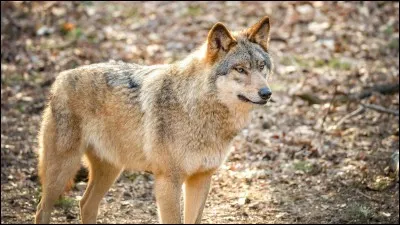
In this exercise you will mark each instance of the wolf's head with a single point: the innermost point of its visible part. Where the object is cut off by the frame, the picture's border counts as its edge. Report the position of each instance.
(240, 63)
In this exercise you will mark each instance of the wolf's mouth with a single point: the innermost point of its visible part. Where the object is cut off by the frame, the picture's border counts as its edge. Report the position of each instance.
(262, 102)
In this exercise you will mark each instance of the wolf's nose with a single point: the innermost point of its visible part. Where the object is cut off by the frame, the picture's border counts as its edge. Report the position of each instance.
(265, 93)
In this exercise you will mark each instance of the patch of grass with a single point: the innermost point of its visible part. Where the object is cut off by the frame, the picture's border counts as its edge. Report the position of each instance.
(194, 10)
(75, 33)
(380, 183)
(394, 44)
(37, 194)
(303, 166)
(319, 63)
(290, 61)
(92, 38)
(302, 62)
(389, 30)
(334, 63)
(286, 61)
(131, 13)
(337, 64)
(12, 79)
(307, 167)
(21, 107)
(359, 213)
(132, 177)
(87, 3)
(65, 202)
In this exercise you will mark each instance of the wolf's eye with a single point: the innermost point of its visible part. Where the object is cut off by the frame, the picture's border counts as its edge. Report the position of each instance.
(240, 70)
(262, 66)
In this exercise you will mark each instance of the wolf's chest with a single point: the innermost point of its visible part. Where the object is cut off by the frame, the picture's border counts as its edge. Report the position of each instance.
(206, 159)
(208, 149)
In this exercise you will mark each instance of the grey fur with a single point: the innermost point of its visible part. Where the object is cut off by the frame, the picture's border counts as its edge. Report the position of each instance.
(244, 52)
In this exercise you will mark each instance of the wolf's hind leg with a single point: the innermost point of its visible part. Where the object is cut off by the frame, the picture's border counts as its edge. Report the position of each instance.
(57, 174)
(59, 160)
(101, 176)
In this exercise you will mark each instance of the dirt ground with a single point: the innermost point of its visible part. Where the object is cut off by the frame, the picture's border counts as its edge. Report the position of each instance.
(307, 157)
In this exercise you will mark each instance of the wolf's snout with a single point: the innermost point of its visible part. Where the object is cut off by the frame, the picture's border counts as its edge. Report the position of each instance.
(265, 93)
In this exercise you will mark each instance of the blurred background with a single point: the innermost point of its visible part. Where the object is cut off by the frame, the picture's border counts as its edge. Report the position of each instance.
(323, 152)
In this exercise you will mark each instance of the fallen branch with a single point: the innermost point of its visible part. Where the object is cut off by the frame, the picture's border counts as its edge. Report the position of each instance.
(360, 192)
(310, 98)
(380, 109)
(280, 39)
(361, 110)
(367, 196)
(385, 89)
(64, 45)
(356, 112)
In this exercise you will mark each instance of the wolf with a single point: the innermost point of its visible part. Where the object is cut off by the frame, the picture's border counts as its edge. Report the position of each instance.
(174, 120)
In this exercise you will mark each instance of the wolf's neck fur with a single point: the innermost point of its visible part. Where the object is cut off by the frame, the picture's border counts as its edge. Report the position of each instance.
(198, 93)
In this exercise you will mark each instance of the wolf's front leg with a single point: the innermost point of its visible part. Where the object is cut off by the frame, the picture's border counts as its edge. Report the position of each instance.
(196, 191)
(168, 192)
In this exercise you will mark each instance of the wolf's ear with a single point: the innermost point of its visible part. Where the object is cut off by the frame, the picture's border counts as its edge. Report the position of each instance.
(219, 42)
(259, 33)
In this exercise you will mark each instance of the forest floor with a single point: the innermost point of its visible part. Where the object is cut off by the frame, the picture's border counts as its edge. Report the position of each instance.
(307, 157)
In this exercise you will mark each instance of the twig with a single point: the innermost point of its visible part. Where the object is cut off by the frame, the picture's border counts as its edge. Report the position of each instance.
(380, 109)
(367, 196)
(329, 109)
(361, 109)
(360, 192)
(321, 131)
(280, 39)
(65, 45)
(356, 112)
